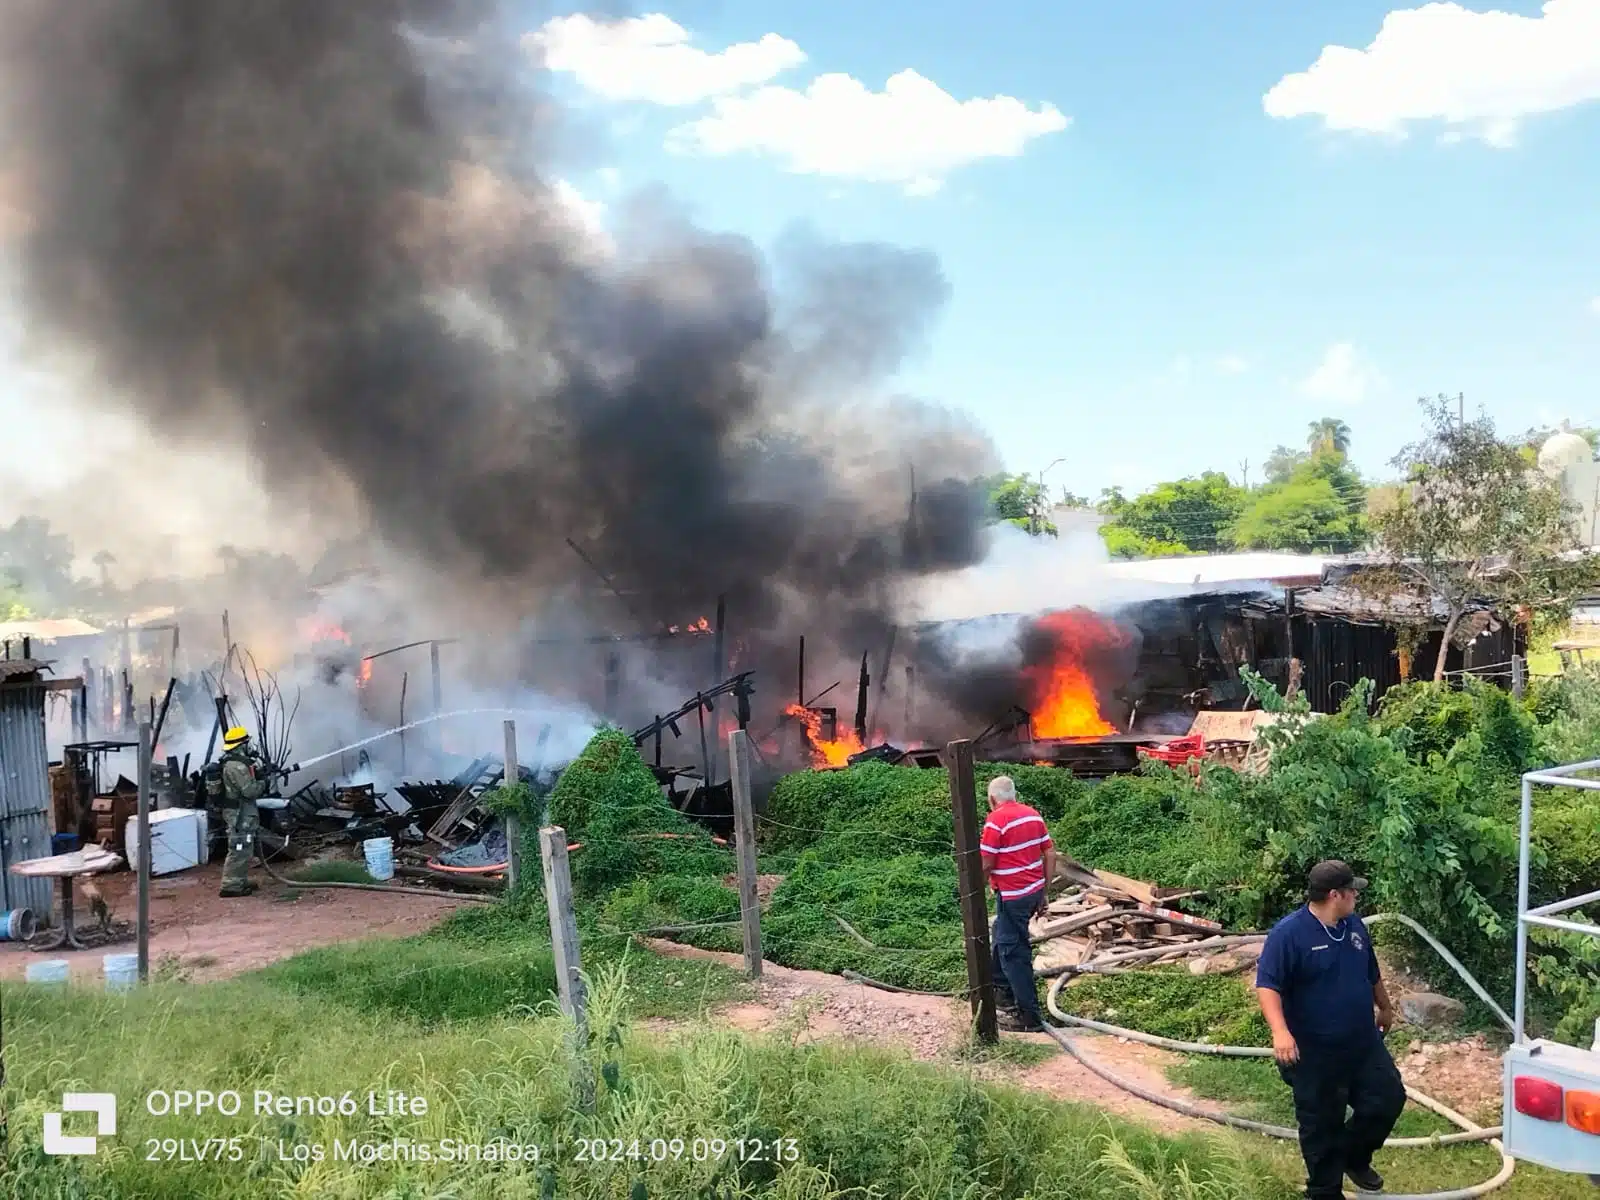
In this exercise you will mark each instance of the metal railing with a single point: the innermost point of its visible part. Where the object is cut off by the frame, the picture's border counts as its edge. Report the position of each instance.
(1545, 915)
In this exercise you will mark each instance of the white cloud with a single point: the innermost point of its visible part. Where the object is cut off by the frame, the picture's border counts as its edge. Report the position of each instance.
(912, 133)
(650, 58)
(1480, 73)
(1342, 377)
(1594, 306)
(1232, 364)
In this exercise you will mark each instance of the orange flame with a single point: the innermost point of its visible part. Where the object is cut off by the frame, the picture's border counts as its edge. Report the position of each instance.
(1061, 694)
(364, 676)
(321, 631)
(823, 752)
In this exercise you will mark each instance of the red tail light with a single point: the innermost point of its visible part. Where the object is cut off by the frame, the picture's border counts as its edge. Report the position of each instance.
(1537, 1098)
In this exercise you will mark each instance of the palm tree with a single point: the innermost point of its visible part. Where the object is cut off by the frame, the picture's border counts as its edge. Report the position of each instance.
(1328, 434)
(103, 560)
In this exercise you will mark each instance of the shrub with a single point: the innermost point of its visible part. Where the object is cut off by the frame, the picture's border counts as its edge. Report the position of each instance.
(611, 803)
(906, 905)
(1424, 720)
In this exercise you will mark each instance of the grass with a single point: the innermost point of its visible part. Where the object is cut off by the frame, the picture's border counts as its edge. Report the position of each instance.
(864, 1123)
(330, 870)
(1170, 1002)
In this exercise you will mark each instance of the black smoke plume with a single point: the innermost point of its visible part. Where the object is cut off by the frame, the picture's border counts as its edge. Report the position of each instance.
(326, 231)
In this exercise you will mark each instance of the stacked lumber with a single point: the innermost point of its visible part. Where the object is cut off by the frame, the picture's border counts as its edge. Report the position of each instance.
(1104, 916)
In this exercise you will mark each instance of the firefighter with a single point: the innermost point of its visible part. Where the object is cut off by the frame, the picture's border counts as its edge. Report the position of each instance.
(245, 776)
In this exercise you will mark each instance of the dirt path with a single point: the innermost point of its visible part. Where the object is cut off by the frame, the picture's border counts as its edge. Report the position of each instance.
(809, 1005)
(211, 938)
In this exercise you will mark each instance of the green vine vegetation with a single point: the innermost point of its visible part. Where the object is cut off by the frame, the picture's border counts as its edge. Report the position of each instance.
(1419, 792)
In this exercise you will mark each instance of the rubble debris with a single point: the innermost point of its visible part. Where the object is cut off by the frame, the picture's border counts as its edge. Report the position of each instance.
(1105, 919)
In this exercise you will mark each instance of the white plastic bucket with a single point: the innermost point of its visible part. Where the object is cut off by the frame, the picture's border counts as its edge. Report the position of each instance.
(122, 971)
(17, 925)
(379, 854)
(51, 970)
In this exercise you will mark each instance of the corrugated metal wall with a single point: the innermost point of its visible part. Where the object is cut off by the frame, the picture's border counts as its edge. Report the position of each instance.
(24, 797)
(1337, 654)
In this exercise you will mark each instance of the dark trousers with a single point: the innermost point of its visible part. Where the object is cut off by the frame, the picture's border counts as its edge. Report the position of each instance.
(1013, 955)
(1327, 1079)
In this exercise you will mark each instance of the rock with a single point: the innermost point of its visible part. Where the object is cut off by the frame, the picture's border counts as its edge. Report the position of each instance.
(1216, 964)
(1199, 966)
(1431, 1010)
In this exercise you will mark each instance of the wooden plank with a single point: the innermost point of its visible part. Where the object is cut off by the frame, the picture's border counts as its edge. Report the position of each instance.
(974, 904)
(1067, 925)
(513, 777)
(144, 853)
(744, 833)
(1183, 920)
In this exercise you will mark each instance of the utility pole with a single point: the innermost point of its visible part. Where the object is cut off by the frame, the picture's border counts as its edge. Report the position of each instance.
(1036, 518)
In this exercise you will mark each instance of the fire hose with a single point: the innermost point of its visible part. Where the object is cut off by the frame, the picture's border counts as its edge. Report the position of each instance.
(1470, 1132)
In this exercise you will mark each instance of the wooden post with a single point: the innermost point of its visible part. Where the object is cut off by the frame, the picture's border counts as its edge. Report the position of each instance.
(969, 875)
(88, 696)
(719, 668)
(144, 853)
(744, 835)
(563, 923)
(405, 680)
(513, 777)
(1519, 675)
(438, 697)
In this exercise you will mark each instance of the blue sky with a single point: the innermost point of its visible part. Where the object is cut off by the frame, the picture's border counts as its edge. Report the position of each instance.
(1176, 280)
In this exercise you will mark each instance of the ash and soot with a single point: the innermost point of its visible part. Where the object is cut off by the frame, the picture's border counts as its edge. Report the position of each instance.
(330, 235)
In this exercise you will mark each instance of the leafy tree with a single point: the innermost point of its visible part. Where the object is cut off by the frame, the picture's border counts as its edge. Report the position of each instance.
(37, 561)
(1328, 434)
(1022, 501)
(1473, 521)
(1184, 515)
(1283, 462)
(1304, 514)
(1318, 505)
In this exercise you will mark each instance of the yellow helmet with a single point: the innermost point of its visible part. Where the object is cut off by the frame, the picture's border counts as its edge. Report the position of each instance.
(235, 737)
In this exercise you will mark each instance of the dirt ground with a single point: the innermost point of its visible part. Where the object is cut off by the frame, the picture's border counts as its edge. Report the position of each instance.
(211, 938)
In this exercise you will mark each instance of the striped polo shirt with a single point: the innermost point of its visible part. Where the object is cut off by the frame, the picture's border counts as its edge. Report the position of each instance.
(1014, 838)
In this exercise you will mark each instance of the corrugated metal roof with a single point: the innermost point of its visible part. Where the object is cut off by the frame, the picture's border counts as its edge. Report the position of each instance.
(10, 668)
(24, 796)
(46, 630)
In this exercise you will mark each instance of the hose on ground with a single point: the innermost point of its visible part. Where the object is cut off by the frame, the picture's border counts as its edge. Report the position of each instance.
(1470, 1132)
(376, 887)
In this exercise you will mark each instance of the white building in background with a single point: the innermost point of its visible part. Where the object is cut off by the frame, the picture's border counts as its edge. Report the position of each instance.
(1568, 458)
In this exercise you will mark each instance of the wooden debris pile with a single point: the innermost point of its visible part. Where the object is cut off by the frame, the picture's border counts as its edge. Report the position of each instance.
(1103, 923)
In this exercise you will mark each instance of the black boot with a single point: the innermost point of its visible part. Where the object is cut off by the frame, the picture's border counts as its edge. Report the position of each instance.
(1365, 1178)
(248, 889)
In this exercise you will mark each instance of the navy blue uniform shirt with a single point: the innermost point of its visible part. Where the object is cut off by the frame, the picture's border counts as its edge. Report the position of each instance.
(1324, 975)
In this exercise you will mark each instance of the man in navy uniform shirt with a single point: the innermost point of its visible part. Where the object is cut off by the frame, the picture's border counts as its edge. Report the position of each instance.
(1324, 1000)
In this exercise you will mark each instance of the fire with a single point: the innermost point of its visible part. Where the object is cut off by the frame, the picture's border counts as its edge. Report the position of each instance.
(700, 625)
(823, 752)
(313, 632)
(364, 676)
(1061, 693)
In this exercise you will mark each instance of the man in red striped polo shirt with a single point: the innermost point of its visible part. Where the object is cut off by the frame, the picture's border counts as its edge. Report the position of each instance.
(1018, 861)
